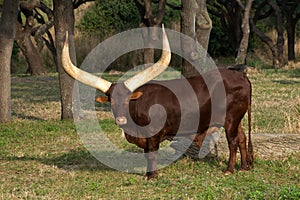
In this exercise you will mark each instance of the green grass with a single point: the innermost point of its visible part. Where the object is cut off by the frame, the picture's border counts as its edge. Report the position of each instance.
(42, 157)
(276, 101)
(46, 160)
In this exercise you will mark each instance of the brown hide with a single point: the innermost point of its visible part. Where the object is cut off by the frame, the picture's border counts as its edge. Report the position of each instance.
(198, 94)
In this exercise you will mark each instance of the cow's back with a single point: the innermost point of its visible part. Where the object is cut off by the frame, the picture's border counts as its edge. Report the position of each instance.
(202, 101)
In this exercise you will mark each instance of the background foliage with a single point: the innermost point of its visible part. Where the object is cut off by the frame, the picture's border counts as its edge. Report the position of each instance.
(219, 42)
(108, 17)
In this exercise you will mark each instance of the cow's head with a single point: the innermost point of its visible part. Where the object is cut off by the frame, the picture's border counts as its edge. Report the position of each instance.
(119, 94)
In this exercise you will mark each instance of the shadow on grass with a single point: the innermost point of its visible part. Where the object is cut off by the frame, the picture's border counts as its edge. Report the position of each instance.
(37, 89)
(295, 73)
(79, 159)
(76, 160)
(82, 160)
(286, 82)
(214, 161)
(22, 116)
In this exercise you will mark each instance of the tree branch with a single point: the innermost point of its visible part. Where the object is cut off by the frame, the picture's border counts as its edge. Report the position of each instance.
(77, 3)
(26, 7)
(241, 4)
(148, 9)
(161, 12)
(41, 30)
(174, 7)
(260, 34)
(258, 15)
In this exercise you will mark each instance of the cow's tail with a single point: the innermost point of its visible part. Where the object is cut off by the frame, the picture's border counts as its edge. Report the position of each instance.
(250, 156)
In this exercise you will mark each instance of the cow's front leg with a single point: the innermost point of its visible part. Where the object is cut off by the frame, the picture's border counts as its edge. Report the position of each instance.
(151, 158)
(151, 153)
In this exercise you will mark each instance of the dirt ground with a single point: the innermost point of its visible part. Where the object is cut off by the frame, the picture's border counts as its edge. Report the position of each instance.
(265, 146)
(270, 146)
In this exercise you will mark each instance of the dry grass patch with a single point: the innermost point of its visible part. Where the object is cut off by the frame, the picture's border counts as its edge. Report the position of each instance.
(36, 97)
(275, 101)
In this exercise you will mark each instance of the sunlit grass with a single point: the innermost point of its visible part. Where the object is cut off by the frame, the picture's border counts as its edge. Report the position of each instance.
(42, 157)
(275, 101)
(46, 159)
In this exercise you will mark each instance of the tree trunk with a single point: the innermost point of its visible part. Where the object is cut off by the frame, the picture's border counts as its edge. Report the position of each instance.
(237, 33)
(242, 51)
(276, 49)
(290, 28)
(278, 60)
(203, 24)
(229, 13)
(195, 23)
(188, 46)
(292, 12)
(33, 57)
(23, 38)
(235, 21)
(148, 19)
(149, 38)
(7, 33)
(64, 21)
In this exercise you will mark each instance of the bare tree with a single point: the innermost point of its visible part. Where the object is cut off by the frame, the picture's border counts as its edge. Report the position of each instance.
(195, 23)
(24, 37)
(242, 52)
(7, 34)
(150, 19)
(291, 9)
(230, 15)
(262, 11)
(188, 47)
(64, 21)
(203, 24)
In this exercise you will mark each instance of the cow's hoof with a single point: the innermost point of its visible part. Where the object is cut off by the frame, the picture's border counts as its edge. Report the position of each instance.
(151, 175)
(244, 168)
(227, 172)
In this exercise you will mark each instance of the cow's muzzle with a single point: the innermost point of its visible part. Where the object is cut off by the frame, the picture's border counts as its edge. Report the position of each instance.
(121, 121)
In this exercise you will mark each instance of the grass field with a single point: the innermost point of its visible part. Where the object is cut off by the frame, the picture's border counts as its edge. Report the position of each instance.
(42, 157)
(276, 101)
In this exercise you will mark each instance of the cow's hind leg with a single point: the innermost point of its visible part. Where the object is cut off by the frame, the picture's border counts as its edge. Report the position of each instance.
(199, 138)
(232, 139)
(242, 148)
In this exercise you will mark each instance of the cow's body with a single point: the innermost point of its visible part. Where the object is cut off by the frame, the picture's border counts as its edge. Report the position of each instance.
(236, 103)
(150, 112)
(228, 112)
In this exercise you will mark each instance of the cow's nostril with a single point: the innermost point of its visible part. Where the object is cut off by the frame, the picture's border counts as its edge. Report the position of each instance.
(121, 120)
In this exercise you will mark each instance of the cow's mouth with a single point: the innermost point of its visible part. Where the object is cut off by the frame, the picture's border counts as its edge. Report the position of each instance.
(121, 121)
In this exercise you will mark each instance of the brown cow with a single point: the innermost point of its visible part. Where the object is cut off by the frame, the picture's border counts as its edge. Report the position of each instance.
(132, 101)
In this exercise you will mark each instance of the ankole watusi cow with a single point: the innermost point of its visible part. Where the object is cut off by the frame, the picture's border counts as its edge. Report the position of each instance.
(132, 101)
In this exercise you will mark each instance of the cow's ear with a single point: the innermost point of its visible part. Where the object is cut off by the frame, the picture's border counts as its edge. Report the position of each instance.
(102, 99)
(136, 95)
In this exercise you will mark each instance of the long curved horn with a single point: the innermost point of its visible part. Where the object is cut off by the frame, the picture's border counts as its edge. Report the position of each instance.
(151, 72)
(80, 75)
